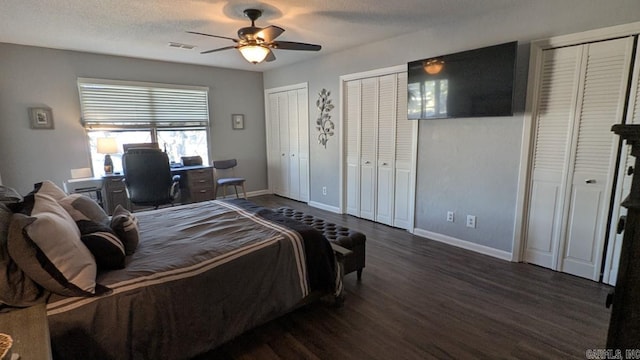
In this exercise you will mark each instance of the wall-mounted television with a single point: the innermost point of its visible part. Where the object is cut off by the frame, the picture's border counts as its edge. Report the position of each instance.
(472, 83)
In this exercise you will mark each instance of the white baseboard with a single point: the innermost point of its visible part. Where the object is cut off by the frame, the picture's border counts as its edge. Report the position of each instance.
(326, 207)
(258, 193)
(500, 254)
(249, 194)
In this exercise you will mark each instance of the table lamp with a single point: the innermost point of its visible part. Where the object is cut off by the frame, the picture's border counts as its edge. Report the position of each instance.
(107, 146)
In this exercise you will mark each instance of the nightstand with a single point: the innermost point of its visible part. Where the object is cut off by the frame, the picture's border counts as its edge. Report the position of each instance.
(29, 329)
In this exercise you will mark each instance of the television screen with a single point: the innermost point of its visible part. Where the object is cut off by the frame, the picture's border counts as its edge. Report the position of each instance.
(471, 83)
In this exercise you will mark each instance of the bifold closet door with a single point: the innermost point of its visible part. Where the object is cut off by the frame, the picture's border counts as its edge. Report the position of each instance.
(625, 176)
(386, 141)
(581, 95)
(352, 135)
(276, 163)
(380, 150)
(289, 144)
(368, 143)
(404, 158)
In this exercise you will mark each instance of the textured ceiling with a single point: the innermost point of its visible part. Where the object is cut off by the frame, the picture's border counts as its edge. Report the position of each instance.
(143, 28)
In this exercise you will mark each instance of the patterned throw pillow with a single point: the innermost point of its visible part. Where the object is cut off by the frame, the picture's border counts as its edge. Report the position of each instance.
(45, 188)
(103, 243)
(81, 207)
(47, 247)
(125, 225)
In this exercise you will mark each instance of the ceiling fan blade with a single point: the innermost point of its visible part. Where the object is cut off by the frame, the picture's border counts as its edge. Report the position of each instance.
(290, 45)
(270, 56)
(269, 33)
(219, 49)
(215, 36)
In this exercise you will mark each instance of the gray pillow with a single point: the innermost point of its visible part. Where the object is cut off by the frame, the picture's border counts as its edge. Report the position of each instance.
(9, 195)
(125, 225)
(81, 207)
(103, 243)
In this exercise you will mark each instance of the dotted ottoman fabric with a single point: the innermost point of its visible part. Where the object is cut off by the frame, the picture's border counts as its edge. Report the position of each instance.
(340, 235)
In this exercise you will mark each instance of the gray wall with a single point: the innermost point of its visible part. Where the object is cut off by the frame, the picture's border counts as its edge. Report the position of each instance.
(31, 76)
(466, 165)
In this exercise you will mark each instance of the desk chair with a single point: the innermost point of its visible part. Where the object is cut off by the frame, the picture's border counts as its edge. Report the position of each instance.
(148, 177)
(224, 175)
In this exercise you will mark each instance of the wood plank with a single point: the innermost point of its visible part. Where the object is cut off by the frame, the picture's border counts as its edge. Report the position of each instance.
(421, 299)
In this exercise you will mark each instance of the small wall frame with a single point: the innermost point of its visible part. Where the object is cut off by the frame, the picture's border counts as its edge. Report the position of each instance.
(237, 121)
(41, 118)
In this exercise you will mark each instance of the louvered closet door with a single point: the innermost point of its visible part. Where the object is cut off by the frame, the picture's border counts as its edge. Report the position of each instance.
(581, 96)
(600, 106)
(303, 144)
(403, 204)
(352, 129)
(283, 125)
(368, 135)
(624, 180)
(294, 146)
(554, 113)
(274, 165)
(387, 99)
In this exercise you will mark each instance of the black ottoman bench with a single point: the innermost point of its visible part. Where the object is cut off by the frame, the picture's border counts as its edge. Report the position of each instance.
(340, 235)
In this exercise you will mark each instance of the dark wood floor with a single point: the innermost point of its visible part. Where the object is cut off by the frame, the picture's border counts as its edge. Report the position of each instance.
(420, 299)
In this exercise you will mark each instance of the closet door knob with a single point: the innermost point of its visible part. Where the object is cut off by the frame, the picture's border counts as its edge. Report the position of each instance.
(367, 162)
(590, 181)
(384, 164)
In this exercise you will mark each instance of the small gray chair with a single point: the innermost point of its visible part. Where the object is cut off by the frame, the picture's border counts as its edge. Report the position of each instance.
(225, 176)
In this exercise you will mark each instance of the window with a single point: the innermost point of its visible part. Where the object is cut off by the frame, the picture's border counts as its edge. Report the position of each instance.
(176, 117)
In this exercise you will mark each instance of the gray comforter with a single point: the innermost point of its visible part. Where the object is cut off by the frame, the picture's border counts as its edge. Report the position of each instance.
(202, 274)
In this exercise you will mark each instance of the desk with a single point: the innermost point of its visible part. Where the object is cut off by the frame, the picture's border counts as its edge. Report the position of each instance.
(29, 330)
(196, 184)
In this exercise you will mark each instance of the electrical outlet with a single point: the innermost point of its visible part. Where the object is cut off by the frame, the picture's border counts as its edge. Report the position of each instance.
(324, 190)
(471, 221)
(450, 216)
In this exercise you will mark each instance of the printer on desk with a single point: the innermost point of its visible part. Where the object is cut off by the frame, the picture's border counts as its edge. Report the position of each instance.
(191, 160)
(91, 187)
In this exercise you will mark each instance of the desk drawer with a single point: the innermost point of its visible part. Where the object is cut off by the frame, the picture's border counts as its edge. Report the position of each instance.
(114, 183)
(204, 194)
(199, 179)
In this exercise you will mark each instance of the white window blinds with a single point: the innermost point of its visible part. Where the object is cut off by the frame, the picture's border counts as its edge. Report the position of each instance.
(109, 103)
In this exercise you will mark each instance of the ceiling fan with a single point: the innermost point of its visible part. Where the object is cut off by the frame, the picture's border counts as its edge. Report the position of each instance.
(255, 44)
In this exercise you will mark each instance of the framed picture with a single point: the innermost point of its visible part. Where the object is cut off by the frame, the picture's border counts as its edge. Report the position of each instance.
(237, 121)
(41, 118)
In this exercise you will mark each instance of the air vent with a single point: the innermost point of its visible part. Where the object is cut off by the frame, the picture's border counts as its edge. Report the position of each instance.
(181, 46)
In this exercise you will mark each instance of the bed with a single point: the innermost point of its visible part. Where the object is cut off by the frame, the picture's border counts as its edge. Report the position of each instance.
(202, 274)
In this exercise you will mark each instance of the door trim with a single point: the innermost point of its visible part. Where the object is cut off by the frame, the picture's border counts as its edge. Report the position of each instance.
(533, 85)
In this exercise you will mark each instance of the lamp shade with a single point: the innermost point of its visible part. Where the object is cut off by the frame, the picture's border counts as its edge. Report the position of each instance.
(254, 53)
(107, 146)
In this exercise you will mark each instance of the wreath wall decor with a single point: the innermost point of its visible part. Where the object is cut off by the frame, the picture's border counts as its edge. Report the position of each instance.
(323, 122)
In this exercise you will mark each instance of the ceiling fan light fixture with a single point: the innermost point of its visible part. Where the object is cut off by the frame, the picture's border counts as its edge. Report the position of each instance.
(254, 54)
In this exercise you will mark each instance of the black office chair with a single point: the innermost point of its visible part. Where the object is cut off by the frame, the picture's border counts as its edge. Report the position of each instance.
(225, 176)
(148, 177)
